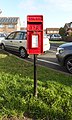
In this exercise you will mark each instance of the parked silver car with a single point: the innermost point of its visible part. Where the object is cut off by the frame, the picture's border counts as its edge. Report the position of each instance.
(17, 42)
(64, 55)
(55, 37)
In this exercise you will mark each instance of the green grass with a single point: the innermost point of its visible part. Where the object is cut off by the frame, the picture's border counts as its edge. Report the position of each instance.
(54, 100)
(57, 42)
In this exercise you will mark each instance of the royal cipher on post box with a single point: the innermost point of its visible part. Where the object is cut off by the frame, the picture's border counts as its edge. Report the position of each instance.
(34, 34)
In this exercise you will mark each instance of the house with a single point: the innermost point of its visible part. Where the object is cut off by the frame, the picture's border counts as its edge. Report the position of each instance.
(52, 30)
(9, 24)
(23, 28)
(68, 25)
(68, 28)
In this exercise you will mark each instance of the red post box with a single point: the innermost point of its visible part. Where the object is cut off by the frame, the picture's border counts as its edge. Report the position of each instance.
(34, 34)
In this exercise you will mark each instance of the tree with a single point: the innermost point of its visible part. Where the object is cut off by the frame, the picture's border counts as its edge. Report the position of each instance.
(62, 31)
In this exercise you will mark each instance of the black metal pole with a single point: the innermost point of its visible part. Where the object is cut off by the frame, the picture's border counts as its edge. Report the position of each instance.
(35, 80)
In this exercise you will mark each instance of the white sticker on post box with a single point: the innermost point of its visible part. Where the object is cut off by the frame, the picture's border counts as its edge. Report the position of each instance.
(34, 41)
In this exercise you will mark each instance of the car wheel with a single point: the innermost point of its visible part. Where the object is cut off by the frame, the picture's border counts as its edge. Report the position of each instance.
(68, 64)
(23, 53)
(2, 47)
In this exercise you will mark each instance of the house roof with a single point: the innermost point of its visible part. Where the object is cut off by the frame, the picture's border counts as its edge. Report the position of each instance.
(52, 29)
(8, 20)
(68, 25)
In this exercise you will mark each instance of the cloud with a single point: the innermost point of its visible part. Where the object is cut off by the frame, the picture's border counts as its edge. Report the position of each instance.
(27, 5)
(65, 5)
(54, 11)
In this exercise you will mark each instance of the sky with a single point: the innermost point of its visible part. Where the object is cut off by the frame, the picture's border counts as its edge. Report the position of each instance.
(55, 12)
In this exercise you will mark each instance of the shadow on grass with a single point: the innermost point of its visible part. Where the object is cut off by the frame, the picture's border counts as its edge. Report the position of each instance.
(14, 65)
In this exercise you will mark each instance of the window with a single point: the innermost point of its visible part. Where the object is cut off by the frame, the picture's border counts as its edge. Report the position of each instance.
(71, 25)
(11, 26)
(51, 31)
(20, 36)
(11, 36)
(25, 36)
(1, 25)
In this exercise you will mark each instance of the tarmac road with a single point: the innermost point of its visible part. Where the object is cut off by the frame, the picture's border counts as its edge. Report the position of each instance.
(49, 60)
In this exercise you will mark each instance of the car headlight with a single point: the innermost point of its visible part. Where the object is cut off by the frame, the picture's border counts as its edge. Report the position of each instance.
(60, 50)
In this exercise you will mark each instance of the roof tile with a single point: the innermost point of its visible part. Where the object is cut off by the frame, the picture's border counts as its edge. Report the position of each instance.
(8, 20)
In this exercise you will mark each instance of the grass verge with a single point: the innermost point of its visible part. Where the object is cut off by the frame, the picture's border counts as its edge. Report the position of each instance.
(54, 101)
(57, 41)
